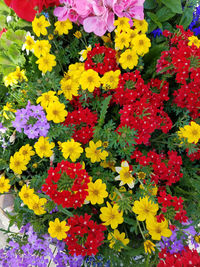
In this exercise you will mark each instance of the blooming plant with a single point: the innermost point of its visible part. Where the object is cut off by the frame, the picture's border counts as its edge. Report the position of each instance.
(100, 132)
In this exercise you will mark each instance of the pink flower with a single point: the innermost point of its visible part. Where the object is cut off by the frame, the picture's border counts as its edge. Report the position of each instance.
(129, 8)
(68, 11)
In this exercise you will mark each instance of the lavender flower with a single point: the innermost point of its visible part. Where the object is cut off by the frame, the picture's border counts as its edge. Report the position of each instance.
(32, 120)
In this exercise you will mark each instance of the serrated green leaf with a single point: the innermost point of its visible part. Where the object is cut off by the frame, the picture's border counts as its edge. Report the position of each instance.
(155, 19)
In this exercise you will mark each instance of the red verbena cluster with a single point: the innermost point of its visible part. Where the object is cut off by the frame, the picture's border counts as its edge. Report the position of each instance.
(183, 61)
(101, 59)
(84, 121)
(166, 200)
(84, 236)
(186, 258)
(67, 184)
(142, 105)
(166, 169)
(195, 155)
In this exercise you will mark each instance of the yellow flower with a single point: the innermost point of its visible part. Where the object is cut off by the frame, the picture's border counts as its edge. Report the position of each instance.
(122, 24)
(121, 41)
(149, 246)
(75, 71)
(26, 194)
(63, 27)
(39, 25)
(78, 34)
(50, 36)
(109, 164)
(111, 215)
(58, 229)
(106, 38)
(6, 109)
(69, 89)
(110, 79)
(4, 185)
(140, 25)
(46, 62)
(145, 209)
(156, 229)
(41, 48)
(20, 75)
(46, 98)
(193, 40)
(89, 80)
(56, 112)
(141, 175)
(36, 204)
(26, 152)
(132, 34)
(29, 43)
(191, 132)
(17, 163)
(71, 149)
(97, 192)
(94, 152)
(128, 59)
(125, 175)
(84, 52)
(141, 44)
(43, 148)
(117, 236)
(10, 79)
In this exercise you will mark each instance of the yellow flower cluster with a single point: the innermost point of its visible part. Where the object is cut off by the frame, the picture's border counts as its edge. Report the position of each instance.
(20, 160)
(4, 185)
(96, 192)
(32, 200)
(190, 132)
(146, 211)
(15, 77)
(71, 149)
(70, 82)
(132, 42)
(43, 147)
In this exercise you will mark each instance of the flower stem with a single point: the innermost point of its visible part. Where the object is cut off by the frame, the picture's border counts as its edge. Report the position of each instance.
(51, 259)
(140, 230)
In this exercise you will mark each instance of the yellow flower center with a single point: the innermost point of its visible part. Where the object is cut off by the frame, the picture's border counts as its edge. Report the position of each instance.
(43, 147)
(55, 112)
(1, 184)
(26, 195)
(95, 192)
(90, 79)
(46, 97)
(39, 25)
(45, 61)
(36, 206)
(158, 230)
(17, 163)
(24, 152)
(58, 228)
(141, 42)
(129, 57)
(194, 132)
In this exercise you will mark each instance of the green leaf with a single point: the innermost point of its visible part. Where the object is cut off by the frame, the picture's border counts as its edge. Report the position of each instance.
(65, 211)
(164, 14)
(149, 4)
(187, 17)
(174, 5)
(155, 19)
(3, 164)
(2, 22)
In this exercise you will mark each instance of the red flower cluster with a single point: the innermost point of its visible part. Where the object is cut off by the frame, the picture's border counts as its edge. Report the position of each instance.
(166, 169)
(101, 59)
(26, 9)
(169, 201)
(142, 105)
(84, 236)
(182, 61)
(84, 121)
(67, 184)
(187, 258)
(195, 155)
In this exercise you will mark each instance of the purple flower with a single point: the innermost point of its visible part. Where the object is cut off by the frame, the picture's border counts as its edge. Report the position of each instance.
(32, 120)
(156, 32)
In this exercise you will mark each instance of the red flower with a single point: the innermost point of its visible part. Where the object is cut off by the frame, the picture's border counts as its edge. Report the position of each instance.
(1, 32)
(25, 9)
(67, 184)
(84, 236)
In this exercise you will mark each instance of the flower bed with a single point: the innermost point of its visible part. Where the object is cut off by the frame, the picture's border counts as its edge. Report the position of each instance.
(100, 130)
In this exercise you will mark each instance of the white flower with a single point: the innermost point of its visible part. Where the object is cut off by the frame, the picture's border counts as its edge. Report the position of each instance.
(28, 34)
(84, 52)
(125, 175)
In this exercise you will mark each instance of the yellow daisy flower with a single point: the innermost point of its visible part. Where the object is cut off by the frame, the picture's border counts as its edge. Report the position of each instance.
(141, 44)
(149, 246)
(10, 79)
(128, 59)
(94, 152)
(111, 215)
(37, 204)
(56, 112)
(117, 236)
(69, 88)
(26, 152)
(193, 40)
(140, 25)
(58, 229)
(46, 98)
(17, 163)
(4, 184)
(97, 192)
(26, 193)
(125, 175)
(71, 149)
(46, 62)
(41, 48)
(89, 80)
(63, 27)
(122, 24)
(122, 41)
(110, 79)
(43, 148)
(158, 229)
(39, 25)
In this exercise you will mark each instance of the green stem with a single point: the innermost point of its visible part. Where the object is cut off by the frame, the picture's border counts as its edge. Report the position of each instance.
(147, 261)
(140, 230)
